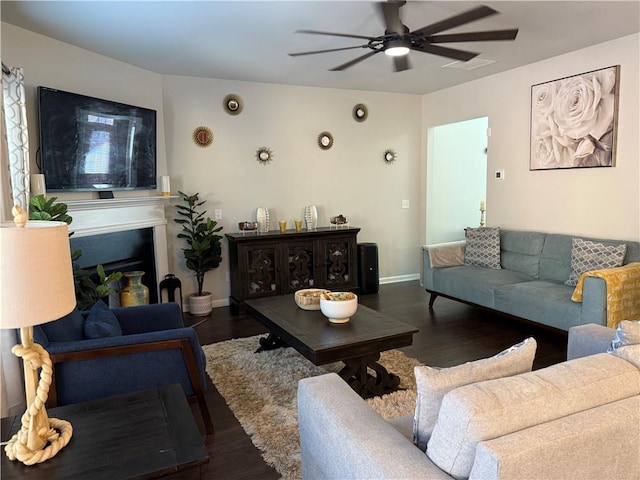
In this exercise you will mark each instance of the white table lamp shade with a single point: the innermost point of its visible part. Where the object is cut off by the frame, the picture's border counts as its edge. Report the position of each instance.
(36, 276)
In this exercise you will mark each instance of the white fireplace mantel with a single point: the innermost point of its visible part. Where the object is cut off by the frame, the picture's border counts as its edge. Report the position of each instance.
(96, 217)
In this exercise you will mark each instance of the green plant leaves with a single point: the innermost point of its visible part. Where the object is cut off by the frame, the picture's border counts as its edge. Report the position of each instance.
(204, 250)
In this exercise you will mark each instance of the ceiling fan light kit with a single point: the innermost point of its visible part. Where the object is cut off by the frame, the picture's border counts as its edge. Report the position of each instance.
(397, 48)
(398, 40)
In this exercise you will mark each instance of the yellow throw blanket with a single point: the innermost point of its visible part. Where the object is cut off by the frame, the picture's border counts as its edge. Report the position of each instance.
(623, 292)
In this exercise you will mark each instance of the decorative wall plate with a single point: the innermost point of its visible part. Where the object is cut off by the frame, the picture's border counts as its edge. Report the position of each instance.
(203, 136)
(360, 112)
(389, 156)
(325, 140)
(232, 104)
(264, 155)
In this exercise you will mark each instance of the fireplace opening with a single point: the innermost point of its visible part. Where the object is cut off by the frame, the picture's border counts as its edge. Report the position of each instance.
(120, 252)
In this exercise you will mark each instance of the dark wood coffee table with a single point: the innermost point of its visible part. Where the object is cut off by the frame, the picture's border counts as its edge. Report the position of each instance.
(140, 435)
(357, 343)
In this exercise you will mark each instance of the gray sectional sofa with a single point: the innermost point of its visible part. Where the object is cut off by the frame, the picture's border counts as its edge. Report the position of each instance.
(578, 419)
(530, 284)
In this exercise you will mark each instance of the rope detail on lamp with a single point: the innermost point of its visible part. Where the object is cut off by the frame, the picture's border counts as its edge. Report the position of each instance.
(36, 287)
(25, 445)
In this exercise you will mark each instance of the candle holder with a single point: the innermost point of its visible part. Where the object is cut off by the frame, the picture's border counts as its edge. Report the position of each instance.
(482, 210)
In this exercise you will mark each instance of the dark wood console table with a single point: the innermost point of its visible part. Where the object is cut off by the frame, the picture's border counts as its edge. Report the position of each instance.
(274, 263)
(145, 434)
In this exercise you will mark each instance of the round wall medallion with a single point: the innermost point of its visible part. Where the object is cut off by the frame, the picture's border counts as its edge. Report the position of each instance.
(360, 112)
(203, 136)
(389, 156)
(264, 155)
(232, 104)
(325, 140)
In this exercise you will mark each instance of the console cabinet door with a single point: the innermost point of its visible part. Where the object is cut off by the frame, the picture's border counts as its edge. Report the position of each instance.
(339, 262)
(301, 261)
(261, 268)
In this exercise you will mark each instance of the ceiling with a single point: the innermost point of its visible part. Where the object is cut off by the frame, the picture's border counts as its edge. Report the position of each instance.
(250, 40)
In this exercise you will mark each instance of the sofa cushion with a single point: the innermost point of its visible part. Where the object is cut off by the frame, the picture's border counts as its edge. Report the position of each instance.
(483, 247)
(627, 333)
(474, 284)
(539, 301)
(434, 383)
(520, 251)
(65, 329)
(101, 322)
(486, 410)
(587, 255)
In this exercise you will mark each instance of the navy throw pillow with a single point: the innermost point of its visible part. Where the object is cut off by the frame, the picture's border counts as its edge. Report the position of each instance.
(101, 322)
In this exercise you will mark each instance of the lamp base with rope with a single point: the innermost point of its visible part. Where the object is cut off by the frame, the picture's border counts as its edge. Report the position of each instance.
(40, 437)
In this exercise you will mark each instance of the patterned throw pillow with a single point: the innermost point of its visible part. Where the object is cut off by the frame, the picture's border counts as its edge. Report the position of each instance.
(483, 247)
(587, 256)
(627, 333)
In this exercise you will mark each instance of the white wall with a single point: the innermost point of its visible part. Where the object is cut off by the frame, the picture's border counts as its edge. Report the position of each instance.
(601, 202)
(350, 178)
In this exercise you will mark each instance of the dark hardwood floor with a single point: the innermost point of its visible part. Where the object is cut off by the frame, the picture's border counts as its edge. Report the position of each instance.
(451, 333)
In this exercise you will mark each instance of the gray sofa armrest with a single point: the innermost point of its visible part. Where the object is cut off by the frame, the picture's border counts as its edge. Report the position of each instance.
(602, 442)
(440, 255)
(588, 339)
(341, 437)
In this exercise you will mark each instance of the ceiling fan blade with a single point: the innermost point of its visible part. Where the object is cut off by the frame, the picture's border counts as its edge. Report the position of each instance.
(391, 13)
(445, 52)
(457, 20)
(474, 36)
(351, 63)
(297, 54)
(333, 34)
(401, 63)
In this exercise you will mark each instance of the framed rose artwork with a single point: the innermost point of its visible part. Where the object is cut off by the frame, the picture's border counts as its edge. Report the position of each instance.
(574, 120)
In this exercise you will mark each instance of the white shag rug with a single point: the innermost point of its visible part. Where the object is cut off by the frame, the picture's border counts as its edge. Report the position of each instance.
(261, 390)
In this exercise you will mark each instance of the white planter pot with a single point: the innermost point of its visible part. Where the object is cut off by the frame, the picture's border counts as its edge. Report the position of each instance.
(200, 305)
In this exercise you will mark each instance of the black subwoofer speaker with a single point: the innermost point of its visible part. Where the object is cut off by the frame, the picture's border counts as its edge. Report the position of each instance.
(368, 279)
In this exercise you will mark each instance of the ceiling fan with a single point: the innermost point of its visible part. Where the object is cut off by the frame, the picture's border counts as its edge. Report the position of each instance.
(397, 40)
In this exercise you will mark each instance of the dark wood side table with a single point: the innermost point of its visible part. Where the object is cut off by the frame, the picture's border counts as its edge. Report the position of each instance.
(139, 435)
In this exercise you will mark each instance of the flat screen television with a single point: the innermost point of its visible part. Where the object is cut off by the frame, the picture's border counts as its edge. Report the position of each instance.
(90, 144)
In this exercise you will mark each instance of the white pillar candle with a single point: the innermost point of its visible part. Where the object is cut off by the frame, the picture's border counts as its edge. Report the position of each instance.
(38, 185)
(165, 186)
(482, 205)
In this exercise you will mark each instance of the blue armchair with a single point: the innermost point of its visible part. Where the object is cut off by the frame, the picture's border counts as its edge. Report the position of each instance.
(107, 352)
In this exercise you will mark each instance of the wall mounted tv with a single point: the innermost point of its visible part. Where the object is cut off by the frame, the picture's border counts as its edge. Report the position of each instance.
(89, 144)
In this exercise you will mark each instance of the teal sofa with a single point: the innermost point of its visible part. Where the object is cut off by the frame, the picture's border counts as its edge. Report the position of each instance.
(530, 284)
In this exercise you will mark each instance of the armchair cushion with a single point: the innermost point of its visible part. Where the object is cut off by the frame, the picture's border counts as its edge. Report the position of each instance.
(101, 322)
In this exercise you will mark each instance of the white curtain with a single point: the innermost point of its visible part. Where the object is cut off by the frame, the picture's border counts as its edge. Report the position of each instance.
(14, 178)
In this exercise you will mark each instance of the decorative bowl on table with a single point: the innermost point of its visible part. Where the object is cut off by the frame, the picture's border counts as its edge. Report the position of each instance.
(309, 298)
(338, 307)
(247, 226)
(338, 220)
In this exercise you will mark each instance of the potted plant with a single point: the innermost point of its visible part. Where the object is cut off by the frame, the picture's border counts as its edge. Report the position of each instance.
(203, 251)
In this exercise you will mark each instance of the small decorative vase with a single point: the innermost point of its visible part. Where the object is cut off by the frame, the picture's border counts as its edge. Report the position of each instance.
(311, 217)
(262, 217)
(134, 292)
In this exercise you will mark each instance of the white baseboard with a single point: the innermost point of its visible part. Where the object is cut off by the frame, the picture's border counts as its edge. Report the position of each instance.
(400, 278)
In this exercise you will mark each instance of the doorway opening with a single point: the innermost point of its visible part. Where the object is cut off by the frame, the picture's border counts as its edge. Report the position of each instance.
(456, 178)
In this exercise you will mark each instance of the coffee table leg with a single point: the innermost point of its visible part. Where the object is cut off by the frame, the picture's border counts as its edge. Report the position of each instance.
(356, 374)
(270, 342)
